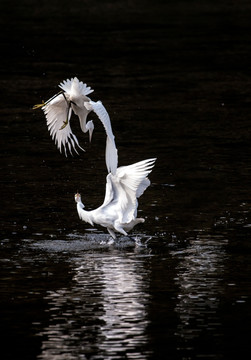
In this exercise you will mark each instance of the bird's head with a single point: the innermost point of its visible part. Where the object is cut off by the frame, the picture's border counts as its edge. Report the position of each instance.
(78, 201)
(77, 197)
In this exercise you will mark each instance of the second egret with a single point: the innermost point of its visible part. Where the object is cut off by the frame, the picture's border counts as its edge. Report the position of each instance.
(118, 213)
(58, 111)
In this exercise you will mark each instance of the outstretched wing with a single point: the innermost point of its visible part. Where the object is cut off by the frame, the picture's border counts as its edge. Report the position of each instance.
(130, 182)
(111, 153)
(133, 176)
(58, 112)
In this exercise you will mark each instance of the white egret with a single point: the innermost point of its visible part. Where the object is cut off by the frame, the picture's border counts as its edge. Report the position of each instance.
(119, 209)
(58, 111)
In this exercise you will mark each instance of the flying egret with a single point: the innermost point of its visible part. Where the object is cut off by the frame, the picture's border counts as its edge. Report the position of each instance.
(58, 111)
(119, 209)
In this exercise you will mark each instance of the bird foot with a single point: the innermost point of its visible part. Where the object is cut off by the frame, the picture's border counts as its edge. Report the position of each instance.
(38, 106)
(110, 241)
(65, 123)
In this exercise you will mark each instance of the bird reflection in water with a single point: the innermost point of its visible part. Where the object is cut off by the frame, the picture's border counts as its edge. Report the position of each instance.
(199, 277)
(102, 313)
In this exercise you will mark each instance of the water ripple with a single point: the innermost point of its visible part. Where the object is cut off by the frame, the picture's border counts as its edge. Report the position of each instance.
(199, 278)
(105, 305)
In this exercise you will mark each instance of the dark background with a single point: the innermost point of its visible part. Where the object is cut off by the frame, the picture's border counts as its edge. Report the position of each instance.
(175, 78)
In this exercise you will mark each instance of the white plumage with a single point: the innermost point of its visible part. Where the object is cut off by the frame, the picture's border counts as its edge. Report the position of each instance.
(58, 111)
(124, 185)
(119, 209)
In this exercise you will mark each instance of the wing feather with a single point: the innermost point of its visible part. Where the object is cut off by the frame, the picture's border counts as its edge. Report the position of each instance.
(57, 109)
(56, 113)
(134, 176)
(131, 181)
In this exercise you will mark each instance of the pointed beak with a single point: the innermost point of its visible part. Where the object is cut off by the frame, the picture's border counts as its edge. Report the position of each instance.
(90, 127)
(90, 134)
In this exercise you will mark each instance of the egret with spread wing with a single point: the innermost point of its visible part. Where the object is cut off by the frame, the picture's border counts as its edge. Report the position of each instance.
(119, 209)
(58, 111)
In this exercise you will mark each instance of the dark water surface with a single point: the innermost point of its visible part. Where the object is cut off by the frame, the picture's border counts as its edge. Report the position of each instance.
(175, 77)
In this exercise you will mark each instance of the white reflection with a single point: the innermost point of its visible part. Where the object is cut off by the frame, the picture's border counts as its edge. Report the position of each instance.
(124, 304)
(102, 312)
(199, 278)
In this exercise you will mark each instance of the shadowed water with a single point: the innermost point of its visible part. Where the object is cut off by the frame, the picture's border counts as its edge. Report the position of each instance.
(175, 79)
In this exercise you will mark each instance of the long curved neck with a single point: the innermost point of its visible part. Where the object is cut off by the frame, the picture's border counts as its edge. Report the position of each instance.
(82, 114)
(83, 214)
